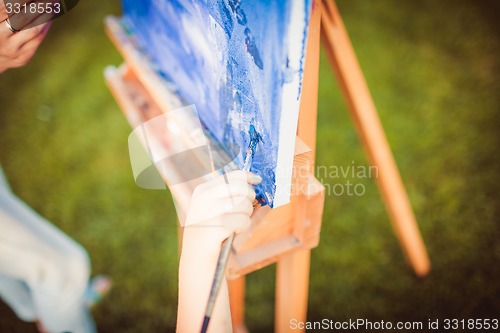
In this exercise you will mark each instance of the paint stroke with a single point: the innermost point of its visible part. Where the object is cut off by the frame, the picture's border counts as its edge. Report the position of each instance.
(240, 63)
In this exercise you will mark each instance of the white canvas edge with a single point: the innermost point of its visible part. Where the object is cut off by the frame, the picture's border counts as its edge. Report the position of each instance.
(290, 105)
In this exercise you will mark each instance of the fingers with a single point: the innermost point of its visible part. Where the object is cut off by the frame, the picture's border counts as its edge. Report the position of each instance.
(27, 51)
(233, 184)
(223, 198)
(241, 175)
(23, 36)
(19, 44)
(236, 223)
(233, 189)
(37, 33)
(251, 178)
(237, 205)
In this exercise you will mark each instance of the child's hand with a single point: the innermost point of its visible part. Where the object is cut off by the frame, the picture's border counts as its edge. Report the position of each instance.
(217, 209)
(222, 206)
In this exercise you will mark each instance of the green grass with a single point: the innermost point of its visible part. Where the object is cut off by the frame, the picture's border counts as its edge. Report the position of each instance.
(433, 70)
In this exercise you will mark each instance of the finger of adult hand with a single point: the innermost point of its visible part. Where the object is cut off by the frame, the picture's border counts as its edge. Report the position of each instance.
(12, 44)
(5, 32)
(31, 45)
(24, 55)
(40, 31)
(37, 33)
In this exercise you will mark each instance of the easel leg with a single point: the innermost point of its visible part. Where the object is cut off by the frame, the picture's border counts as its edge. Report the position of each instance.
(292, 282)
(237, 304)
(343, 59)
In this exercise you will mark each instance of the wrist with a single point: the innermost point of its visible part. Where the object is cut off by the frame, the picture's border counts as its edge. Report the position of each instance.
(202, 243)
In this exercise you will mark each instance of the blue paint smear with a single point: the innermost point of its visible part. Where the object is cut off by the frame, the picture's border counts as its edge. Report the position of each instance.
(255, 138)
(229, 58)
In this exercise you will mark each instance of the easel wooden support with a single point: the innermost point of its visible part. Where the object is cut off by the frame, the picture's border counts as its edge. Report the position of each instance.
(348, 72)
(287, 234)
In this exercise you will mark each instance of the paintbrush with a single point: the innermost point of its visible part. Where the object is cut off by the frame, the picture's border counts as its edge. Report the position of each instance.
(220, 269)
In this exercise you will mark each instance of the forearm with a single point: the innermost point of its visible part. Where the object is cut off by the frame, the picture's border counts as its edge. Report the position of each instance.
(196, 271)
(218, 208)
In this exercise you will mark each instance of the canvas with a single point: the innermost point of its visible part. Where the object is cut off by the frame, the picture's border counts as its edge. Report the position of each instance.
(240, 63)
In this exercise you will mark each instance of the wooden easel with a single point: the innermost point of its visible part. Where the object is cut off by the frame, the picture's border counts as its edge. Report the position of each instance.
(343, 59)
(287, 234)
(292, 278)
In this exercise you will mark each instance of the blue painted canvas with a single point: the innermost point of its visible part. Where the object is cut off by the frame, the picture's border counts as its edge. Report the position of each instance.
(240, 62)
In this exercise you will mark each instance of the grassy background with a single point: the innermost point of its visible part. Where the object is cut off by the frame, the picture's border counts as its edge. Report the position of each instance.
(433, 70)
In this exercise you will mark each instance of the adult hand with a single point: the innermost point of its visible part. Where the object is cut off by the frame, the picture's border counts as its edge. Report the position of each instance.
(17, 48)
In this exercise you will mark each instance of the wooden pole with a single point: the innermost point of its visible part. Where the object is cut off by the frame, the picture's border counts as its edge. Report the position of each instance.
(292, 272)
(237, 304)
(343, 59)
(292, 290)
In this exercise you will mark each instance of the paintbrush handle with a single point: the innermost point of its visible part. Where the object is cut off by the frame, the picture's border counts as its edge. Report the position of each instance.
(220, 270)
